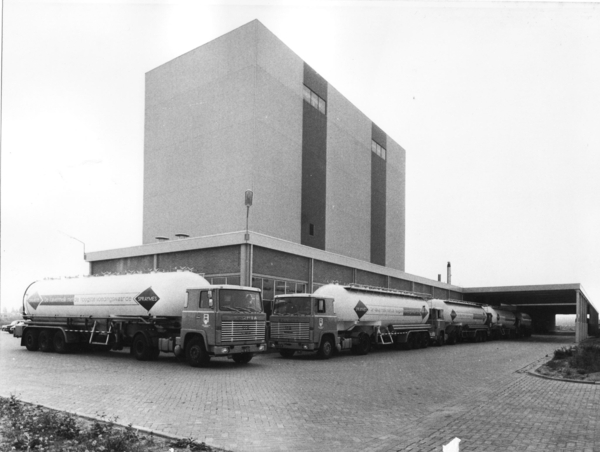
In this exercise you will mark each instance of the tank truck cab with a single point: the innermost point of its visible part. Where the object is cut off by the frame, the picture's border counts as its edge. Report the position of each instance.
(221, 321)
(303, 323)
(437, 332)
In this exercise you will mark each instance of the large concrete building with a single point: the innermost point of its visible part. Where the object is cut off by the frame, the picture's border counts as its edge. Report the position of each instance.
(245, 112)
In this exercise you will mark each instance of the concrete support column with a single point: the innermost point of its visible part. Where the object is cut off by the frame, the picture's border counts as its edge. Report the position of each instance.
(581, 327)
(311, 272)
(593, 329)
(155, 262)
(246, 264)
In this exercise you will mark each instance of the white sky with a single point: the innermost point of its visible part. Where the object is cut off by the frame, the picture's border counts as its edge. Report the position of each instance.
(497, 105)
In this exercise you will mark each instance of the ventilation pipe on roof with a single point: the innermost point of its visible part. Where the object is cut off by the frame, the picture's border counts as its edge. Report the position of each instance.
(182, 236)
(439, 277)
(160, 238)
(449, 270)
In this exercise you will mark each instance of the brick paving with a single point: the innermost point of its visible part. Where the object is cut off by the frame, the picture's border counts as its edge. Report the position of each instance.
(386, 401)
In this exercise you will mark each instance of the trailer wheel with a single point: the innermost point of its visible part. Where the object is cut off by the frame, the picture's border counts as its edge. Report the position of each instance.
(45, 341)
(286, 352)
(326, 349)
(242, 358)
(364, 344)
(141, 348)
(196, 354)
(30, 339)
(59, 342)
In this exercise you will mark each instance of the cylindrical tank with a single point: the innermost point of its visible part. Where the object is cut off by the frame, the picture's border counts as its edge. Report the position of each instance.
(157, 294)
(505, 318)
(524, 319)
(374, 307)
(471, 316)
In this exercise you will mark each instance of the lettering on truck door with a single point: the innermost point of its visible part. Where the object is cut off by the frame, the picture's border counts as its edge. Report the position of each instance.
(200, 316)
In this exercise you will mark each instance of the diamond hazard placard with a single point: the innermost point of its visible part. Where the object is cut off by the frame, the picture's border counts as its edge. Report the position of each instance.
(147, 298)
(360, 309)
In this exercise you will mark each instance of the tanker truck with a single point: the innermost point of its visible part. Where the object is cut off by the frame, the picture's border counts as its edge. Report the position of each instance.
(174, 312)
(464, 321)
(355, 317)
(508, 324)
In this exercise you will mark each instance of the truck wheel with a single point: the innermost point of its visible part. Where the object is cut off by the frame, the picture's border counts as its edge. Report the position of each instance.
(59, 342)
(363, 346)
(30, 338)
(286, 352)
(441, 339)
(141, 349)
(326, 349)
(45, 341)
(424, 340)
(242, 358)
(196, 354)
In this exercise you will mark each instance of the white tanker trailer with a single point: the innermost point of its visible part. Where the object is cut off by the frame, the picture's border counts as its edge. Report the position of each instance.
(353, 317)
(509, 324)
(177, 312)
(464, 320)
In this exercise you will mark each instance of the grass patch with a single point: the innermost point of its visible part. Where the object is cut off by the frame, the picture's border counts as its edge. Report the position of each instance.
(25, 427)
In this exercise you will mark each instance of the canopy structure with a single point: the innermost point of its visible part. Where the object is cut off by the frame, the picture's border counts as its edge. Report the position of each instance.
(543, 302)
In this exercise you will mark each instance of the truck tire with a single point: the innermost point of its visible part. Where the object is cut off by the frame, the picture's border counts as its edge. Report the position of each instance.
(141, 348)
(441, 339)
(326, 349)
(30, 339)
(242, 358)
(45, 341)
(196, 354)
(410, 342)
(59, 342)
(363, 346)
(286, 352)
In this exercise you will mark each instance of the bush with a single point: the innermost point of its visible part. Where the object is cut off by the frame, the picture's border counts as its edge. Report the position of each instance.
(564, 352)
(587, 358)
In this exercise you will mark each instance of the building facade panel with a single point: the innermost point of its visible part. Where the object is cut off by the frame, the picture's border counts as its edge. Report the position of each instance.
(400, 284)
(371, 279)
(203, 193)
(123, 265)
(210, 261)
(348, 178)
(326, 272)
(278, 264)
(201, 110)
(212, 61)
(378, 195)
(395, 206)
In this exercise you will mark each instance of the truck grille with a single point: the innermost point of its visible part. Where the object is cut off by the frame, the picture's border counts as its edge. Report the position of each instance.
(242, 330)
(289, 330)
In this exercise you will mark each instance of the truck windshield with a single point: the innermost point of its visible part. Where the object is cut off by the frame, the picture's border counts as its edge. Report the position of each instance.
(292, 306)
(239, 301)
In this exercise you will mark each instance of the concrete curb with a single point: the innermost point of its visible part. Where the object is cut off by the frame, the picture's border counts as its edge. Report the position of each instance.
(535, 374)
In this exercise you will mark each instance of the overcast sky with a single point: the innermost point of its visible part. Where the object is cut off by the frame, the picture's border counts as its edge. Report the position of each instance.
(497, 105)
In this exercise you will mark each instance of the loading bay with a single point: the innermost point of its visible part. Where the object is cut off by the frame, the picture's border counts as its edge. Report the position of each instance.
(388, 400)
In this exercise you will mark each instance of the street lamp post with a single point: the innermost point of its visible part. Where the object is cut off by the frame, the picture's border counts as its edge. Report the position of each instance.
(248, 198)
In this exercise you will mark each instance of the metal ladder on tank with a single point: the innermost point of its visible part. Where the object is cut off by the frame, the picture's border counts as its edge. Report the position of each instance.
(108, 333)
(384, 338)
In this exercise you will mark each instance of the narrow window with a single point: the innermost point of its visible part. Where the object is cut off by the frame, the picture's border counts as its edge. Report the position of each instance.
(311, 229)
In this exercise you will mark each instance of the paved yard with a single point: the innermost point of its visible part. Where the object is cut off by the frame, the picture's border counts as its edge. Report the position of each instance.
(386, 401)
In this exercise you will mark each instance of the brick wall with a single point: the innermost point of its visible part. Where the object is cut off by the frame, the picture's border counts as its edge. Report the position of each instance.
(278, 264)
(209, 261)
(138, 263)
